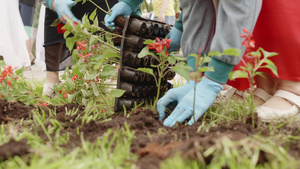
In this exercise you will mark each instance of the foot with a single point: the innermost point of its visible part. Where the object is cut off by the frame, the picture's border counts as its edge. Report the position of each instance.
(260, 96)
(282, 104)
(48, 89)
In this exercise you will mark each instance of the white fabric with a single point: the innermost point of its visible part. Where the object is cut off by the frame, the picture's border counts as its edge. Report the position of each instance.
(40, 51)
(12, 35)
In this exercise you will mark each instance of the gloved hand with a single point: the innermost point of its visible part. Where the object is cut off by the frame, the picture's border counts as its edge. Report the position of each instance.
(175, 36)
(206, 92)
(62, 8)
(121, 8)
(173, 95)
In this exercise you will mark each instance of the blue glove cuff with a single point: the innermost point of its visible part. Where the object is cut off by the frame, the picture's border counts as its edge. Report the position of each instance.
(221, 72)
(49, 4)
(191, 62)
(127, 6)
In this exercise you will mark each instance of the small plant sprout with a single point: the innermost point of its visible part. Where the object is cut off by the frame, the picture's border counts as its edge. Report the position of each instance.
(158, 49)
(253, 61)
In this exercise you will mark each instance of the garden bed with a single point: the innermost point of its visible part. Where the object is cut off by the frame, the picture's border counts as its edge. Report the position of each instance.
(152, 143)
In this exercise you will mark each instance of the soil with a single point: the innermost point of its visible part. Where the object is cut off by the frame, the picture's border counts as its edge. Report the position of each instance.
(153, 142)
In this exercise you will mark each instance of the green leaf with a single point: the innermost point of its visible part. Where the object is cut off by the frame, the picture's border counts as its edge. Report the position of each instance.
(146, 70)
(93, 14)
(238, 74)
(108, 71)
(91, 76)
(84, 93)
(182, 70)
(270, 65)
(70, 84)
(260, 74)
(149, 41)
(179, 58)
(66, 34)
(85, 21)
(76, 71)
(256, 53)
(70, 43)
(214, 53)
(205, 59)
(267, 54)
(206, 69)
(117, 92)
(232, 52)
(95, 89)
(110, 54)
(195, 55)
(20, 71)
(92, 40)
(172, 60)
(98, 65)
(144, 52)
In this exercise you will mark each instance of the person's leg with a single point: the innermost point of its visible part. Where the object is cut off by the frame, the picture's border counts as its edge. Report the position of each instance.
(52, 59)
(170, 20)
(26, 12)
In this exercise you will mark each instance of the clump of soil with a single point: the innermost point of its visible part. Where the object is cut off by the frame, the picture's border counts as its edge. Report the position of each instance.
(14, 148)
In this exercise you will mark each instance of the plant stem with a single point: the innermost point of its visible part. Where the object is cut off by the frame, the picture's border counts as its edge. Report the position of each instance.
(158, 84)
(98, 7)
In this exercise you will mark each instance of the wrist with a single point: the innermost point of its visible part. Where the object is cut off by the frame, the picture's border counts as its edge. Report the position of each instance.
(196, 76)
(52, 5)
(221, 72)
(223, 85)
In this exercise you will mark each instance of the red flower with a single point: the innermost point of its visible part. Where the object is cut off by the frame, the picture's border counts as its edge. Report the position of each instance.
(248, 41)
(160, 44)
(42, 104)
(59, 28)
(75, 77)
(103, 110)
(8, 82)
(81, 45)
(7, 71)
(85, 57)
(65, 95)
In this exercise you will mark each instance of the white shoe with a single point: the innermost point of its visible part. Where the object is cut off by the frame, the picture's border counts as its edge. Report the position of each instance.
(268, 114)
(48, 89)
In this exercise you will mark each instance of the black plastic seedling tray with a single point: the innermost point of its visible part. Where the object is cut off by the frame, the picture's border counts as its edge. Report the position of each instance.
(140, 87)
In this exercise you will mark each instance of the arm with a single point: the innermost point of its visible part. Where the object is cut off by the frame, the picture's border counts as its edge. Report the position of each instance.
(164, 6)
(62, 8)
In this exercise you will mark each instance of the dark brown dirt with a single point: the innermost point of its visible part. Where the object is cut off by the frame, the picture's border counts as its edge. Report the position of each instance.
(14, 148)
(152, 142)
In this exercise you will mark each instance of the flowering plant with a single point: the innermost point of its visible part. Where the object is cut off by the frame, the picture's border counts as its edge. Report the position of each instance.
(96, 58)
(158, 49)
(253, 60)
(12, 86)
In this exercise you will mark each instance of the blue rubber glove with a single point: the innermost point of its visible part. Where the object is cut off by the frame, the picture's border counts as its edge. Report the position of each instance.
(206, 92)
(173, 95)
(175, 36)
(62, 8)
(121, 8)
